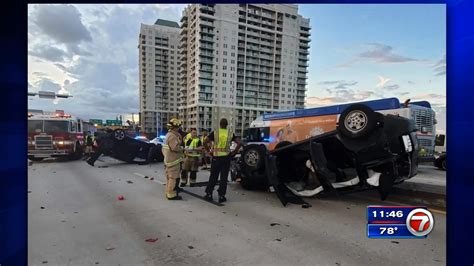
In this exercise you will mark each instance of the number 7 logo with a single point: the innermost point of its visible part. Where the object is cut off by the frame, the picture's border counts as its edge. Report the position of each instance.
(420, 222)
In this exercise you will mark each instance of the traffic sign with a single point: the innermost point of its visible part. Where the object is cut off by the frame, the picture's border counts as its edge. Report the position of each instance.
(420, 222)
(96, 121)
(113, 122)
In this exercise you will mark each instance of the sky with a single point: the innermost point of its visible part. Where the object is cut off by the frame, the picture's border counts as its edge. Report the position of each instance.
(358, 52)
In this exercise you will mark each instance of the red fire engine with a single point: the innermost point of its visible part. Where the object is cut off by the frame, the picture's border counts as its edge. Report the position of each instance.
(54, 135)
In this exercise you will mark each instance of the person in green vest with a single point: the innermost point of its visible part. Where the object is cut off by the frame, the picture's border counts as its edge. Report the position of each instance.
(205, 157)
(221, 139)
(193, 150)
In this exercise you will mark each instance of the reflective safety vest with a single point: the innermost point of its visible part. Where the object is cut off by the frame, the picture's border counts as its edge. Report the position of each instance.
(187, 137)
(191, 146)
(222, 140)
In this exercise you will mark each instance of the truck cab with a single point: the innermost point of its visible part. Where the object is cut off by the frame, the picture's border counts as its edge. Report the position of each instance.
(54, 135)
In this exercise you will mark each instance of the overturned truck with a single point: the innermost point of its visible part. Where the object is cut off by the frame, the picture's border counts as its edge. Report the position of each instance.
(365, 150)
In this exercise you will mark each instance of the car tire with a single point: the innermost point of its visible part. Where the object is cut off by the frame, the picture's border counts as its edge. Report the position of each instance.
(77, 154)
(356, 121)
(441, 162)
(252, 157)
(119, 134)
(35, 159)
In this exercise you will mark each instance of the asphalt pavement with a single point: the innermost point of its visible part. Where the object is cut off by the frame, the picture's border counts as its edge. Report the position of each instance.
(76, 218)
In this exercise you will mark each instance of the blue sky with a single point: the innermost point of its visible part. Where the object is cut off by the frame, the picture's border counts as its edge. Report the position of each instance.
(358, 52)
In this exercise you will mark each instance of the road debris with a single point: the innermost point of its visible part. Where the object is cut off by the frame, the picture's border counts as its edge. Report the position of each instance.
(44, 262)
(151, 240)
(109, 248)
(120, 197)
(395, 242)
(102, 166)
(130, 182)
(152, 178)
(190, 247)
(145, 176)
(42, 208)
(273, 224)
(278, 239)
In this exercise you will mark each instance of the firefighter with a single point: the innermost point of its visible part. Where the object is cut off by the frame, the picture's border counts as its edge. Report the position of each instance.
(221, 139)
(89, 142)
(193, 150)
(205, 158)
(105, 145)
(173, 156)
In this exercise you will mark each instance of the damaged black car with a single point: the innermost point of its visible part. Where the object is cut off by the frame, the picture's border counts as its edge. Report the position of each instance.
(117, 144)
(367, 150)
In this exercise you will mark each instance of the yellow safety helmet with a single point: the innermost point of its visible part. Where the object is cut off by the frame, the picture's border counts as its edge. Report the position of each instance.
(174, 122)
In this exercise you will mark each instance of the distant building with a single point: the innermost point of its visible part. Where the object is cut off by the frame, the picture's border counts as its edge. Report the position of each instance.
(239, 61)
(158, 68)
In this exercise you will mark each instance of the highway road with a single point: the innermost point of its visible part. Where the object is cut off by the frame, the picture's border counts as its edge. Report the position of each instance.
(75, 218)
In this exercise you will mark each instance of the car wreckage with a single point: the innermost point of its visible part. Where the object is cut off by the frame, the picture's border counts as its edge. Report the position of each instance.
(120, 146)
(367, 150)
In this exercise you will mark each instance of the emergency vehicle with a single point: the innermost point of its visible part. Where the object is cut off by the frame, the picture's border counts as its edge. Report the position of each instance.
(298, 125)
(54, 134)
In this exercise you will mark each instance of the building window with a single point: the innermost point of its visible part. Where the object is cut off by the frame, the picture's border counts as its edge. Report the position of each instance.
(224, 75)
(232, 61)
(224, 67)
(225, 45)
(224, 60)
(224, 81)
(232, 47)
(225, 53)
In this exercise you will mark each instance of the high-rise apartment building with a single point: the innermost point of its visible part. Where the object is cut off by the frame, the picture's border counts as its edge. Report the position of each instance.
(158, 72)
(239, 61)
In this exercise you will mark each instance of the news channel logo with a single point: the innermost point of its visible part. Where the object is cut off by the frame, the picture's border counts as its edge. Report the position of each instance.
(399, 222)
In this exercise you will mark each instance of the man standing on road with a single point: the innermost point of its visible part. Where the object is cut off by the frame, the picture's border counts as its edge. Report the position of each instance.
(193, 150)
(173, 156)
(89, 143)
(221, 139)
(205, 157)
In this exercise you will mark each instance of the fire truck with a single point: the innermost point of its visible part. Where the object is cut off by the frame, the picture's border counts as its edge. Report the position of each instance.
(54, 134)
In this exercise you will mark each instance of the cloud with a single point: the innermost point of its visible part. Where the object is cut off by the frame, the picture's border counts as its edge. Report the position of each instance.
(49, 53)
(426, 96)
(383, 81)
(106, 84)
(341, 96)
(380, 54)
(440, 67)
(391, 87)
(61, 22)
(337, 84)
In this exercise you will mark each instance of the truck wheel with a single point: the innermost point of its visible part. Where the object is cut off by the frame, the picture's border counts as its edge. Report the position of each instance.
(119, 134)
(357, 120)
(35, 159)
(77, 154)
(252, 157)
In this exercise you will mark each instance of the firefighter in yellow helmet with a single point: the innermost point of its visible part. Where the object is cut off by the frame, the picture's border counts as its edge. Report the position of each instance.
(193, 151)
(173, 156)
(221, 156)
